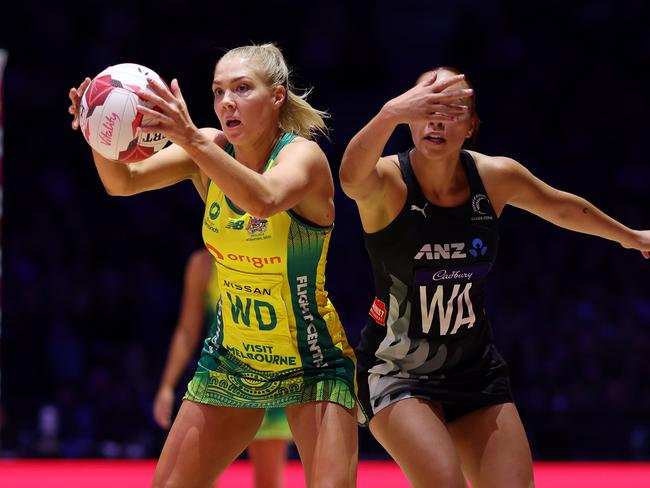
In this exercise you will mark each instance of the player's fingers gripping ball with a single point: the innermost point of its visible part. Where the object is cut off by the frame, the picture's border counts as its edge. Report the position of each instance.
(108, 115)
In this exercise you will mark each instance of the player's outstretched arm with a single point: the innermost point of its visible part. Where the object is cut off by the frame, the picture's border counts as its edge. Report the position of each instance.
(524, 190)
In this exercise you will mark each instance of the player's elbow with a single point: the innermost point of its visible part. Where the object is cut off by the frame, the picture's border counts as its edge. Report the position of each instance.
(354, 190)
(263, 203)
(113, 191)
(348, 189)
(354, 185)
(118, 190)
(346, 175)
(263, 209)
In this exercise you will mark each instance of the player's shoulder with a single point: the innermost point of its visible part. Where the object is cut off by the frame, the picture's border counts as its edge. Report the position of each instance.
(494, 165)
(304, 144)
(501, 176)
(304, 150)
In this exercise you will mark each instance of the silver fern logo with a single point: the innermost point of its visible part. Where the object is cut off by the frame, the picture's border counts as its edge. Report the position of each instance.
(481, 206)
(476, 203)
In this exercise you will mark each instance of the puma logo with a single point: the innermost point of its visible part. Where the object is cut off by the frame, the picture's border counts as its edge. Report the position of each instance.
(415, 208)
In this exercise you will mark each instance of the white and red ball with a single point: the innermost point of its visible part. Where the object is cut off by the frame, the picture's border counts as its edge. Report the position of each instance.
(108, 117)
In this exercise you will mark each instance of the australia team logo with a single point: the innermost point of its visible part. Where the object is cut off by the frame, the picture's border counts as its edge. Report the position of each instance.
(256, 226)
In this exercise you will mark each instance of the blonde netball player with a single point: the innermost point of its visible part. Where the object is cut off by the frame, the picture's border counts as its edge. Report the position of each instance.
(430, 377)
(269, 212)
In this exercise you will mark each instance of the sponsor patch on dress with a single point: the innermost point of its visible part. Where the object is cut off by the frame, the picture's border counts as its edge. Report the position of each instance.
(378, 311)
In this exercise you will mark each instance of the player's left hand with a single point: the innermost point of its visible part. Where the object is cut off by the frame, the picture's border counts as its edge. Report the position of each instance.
(641, 242)
(169, 113)
(75, 95)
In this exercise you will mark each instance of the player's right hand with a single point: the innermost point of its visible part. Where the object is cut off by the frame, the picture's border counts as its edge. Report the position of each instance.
(75, 95)
(430, 99)
(162, 407)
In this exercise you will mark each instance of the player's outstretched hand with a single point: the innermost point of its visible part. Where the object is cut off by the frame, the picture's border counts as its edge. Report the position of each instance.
(75, 95)
(640, 243)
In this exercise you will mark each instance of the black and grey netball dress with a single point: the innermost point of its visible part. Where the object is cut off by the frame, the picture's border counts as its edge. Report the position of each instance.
(428, 335)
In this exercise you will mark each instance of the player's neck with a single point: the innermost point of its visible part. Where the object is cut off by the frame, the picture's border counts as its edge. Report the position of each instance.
(256, 155)
(439, 176)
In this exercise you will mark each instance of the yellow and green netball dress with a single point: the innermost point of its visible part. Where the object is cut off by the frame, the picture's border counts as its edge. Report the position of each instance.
(275, 424)
(276, 339)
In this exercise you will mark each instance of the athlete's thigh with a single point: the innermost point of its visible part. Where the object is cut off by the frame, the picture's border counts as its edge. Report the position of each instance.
(493, 447)
(414, 433)
(202, 442)
(326, 436)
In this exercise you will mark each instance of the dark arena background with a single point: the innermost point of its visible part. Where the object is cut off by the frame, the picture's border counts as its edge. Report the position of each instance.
(91, 284)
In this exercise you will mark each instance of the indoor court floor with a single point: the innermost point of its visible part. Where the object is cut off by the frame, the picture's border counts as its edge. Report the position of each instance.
(17, 473)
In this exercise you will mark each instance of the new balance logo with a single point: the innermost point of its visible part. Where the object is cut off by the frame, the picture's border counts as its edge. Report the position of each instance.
(415, 208)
